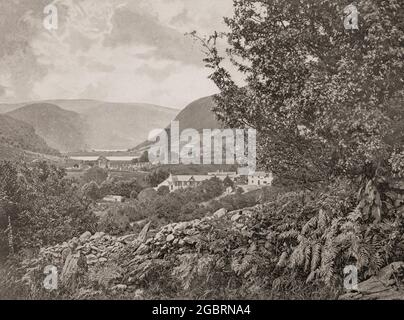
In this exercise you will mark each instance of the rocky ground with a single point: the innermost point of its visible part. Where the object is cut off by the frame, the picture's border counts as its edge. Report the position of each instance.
(95, 264)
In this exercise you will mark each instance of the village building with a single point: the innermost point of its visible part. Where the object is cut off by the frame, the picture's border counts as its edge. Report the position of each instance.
(113, 198)
(117, 163)
(178, 182)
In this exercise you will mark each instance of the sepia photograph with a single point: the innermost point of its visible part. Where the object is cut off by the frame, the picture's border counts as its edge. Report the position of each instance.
(201, 150)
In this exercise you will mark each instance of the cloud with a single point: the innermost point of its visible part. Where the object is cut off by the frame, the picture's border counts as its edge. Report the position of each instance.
(112, 50)
(2, 90)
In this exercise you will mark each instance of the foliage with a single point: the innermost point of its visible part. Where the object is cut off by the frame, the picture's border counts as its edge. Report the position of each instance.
(163, 190)
(42, 206)
(144, 157)
(115, 222)
(91, 190)
(96, 174)
(104, 275)
(157, 176)
(327, 106)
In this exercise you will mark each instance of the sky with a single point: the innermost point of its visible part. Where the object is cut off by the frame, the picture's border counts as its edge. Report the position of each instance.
(110, 50)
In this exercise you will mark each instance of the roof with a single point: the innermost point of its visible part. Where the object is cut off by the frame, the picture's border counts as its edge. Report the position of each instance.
(197, 178)
(122, 158)
(109, 158)
(85, 158)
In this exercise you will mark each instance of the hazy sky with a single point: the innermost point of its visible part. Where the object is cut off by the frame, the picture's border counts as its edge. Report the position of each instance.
(113, 50)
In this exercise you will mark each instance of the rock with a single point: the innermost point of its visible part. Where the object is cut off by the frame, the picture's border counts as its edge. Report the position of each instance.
(126, 239)
(120, 287)
(138, 294)
(142, 249)
(85, 235)
(91, 259)
(97, 235)
(220, 213)
(386, 285)
(102, 259)
(143, 234)
(69, 270)
(65, 253)
(235, 217)
(170, 238)
(191, 240)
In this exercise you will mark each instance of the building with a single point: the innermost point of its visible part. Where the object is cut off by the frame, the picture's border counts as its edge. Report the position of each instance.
(260, 178)
(118, 163)
(177, 182)
(112, 198)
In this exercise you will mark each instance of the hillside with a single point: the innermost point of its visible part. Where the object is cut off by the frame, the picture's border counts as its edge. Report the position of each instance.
(63, 130)
(17, 137)
(197, 115)
(74, 125)
(121, 126)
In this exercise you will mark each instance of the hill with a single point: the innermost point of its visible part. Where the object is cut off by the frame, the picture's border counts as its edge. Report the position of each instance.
(63, 130)
(197, 115)
(123, 125)
(18, 137)
(74, 125)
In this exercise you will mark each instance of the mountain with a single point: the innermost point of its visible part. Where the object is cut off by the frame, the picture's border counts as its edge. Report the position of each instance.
(63, 130)
(197, 115)
(73, 125)
(121, 125)
(18, 137)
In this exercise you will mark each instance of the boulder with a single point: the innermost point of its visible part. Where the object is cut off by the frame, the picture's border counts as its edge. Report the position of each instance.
(85, 235)
(235, 217)
(143, 234)
(220, 213)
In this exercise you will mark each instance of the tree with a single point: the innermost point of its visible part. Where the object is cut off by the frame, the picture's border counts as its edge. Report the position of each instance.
(95, 174)
(134, 194)
(147, 194)
(125, 188)
(163, 190)
(157, 176)
(92, 191)
(227, 182)
(41, 206)
(324, 100)
(144, 157)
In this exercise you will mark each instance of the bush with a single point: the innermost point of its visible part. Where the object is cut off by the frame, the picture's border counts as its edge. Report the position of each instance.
(39, 206)
(95, 174)
(115, 222)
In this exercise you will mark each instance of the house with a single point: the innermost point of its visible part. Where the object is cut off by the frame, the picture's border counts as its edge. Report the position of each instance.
(177, 182)
(113, 198)
(118, 163)
(260, 178)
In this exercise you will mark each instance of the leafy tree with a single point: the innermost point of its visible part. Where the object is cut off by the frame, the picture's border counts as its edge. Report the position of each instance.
(325, 100)
(42, 206)
(227, 182)
(157, 176)
(163, 190)
(125, 188)
(92, 191)
(147, 194)
(144, 157)
(115, 222)
(96, 174)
